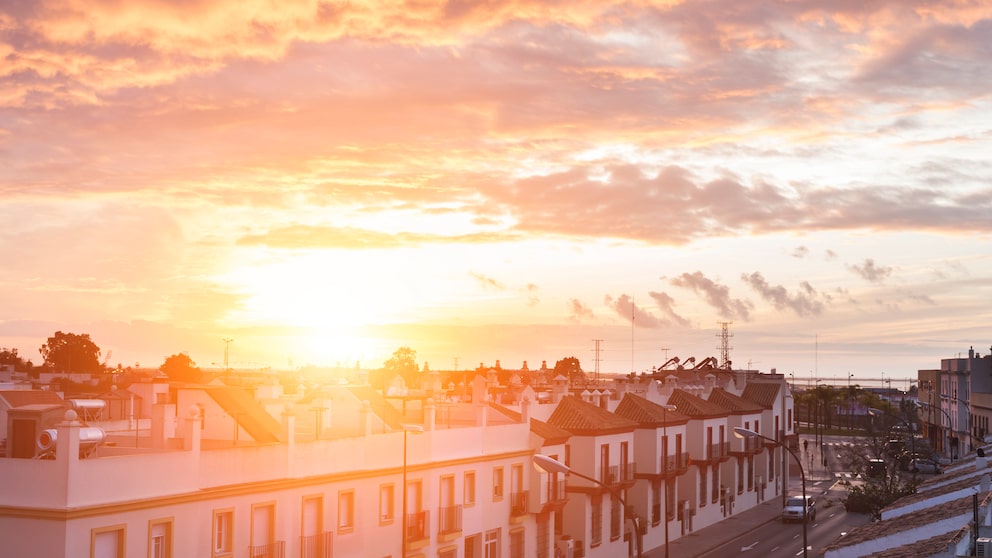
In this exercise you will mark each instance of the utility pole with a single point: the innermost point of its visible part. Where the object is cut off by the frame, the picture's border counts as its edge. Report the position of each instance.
(725, 336)
(596, 358)
(227, 348)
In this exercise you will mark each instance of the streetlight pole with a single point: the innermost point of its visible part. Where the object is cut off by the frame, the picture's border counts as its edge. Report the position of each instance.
(416, 429)
(664, 420)
(549, 465)
(745, 433)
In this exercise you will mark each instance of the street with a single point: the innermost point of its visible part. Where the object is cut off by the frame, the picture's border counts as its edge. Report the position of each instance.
(832, 521)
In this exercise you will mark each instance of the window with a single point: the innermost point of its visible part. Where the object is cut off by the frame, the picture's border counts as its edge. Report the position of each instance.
(517, 544)
(386, 499)
(107, 542)
(715, 493)
(702, 486)
(616, 518)
(491, 544)
(664, 455)
(346, 510)
(223, 532)
(497, 483)
(655, 503)
(721, 441)
(469, 496)
(596, 522)
(709, 442)
(160, 538)
(604, 464)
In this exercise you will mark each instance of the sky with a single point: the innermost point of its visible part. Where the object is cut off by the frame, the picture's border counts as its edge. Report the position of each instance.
(321, 183)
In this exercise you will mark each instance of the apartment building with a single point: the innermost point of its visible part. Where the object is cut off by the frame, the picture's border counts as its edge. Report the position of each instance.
(338, 470)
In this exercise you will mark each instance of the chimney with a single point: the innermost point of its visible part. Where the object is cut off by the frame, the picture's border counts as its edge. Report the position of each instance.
(430, 417)
(525, 410)
(191, 430)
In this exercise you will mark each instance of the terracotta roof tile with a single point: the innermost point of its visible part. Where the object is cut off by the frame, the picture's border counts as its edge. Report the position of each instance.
(579, 417)
(551, 434)
(251, 416)
(904, 523)
(690, 405)
(762, 393)
(647, 413)
(732, 402)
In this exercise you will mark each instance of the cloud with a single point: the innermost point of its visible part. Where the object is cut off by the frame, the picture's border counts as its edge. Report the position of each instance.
(803, 303)
(716, 295)
(666, 304)
(626, 309)
(488, 282)
(532, 292)
(578, 311)
(871, 272)
(800, 252)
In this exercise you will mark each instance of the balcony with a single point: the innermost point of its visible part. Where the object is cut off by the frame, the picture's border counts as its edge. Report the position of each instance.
(620, 474)
(518, 503)
(449, 520)
(676, 464)
(275, 549)
(418, 526)
(317, 546)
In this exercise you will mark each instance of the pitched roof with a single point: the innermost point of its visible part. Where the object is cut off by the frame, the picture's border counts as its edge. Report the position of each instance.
(732, 402)
(551, 434)
(939, 545)
(647, 413)
(515, 416)
(690, 405)
(251, 416)
(21, 397)
(582, 418)
(762, 393)
(905, 523)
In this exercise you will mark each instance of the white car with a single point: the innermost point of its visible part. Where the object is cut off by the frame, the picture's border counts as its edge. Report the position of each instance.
(793, 510)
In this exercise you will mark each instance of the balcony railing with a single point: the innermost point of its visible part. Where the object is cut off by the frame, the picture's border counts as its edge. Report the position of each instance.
(418, 525)
(449, 519)
(556, 491)
(518, 503)
(618, 474)
(275, 549)
(317, 546)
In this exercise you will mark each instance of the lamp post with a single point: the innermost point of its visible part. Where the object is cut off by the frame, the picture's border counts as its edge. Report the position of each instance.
(950, 423)
(745, 433)
(664, 420)
(549, 465)
(416, 429)
(909, 427)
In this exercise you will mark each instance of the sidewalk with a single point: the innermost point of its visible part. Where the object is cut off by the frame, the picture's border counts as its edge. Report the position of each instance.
(707, 539)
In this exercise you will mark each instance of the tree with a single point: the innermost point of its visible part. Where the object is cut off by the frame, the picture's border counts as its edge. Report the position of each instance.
(9, 356)
(181, 368)
(571, 369)
(69, 352)
(874, 495)
(402, 363)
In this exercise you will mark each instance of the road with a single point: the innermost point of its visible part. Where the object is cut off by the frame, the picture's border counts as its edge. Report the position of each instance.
(832, 521)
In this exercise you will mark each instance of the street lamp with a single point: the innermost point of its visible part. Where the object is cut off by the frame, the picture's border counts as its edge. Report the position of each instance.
(416, 429)
(950, 424)
(549, 465)
(909, 428)
(664, 420)
(745, 433)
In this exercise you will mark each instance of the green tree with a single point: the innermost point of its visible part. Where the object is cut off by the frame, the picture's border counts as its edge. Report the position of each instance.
(571, 369)
(9, 356)
(181, 368)
(874, 495)
(402, 363)
(69, 352)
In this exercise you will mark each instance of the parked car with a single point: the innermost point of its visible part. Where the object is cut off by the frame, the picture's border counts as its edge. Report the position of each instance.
(876, 468)
(793, 510)
(924, 466)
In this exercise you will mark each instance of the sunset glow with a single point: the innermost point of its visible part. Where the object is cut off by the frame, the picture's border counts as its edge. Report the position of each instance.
(324, 183)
